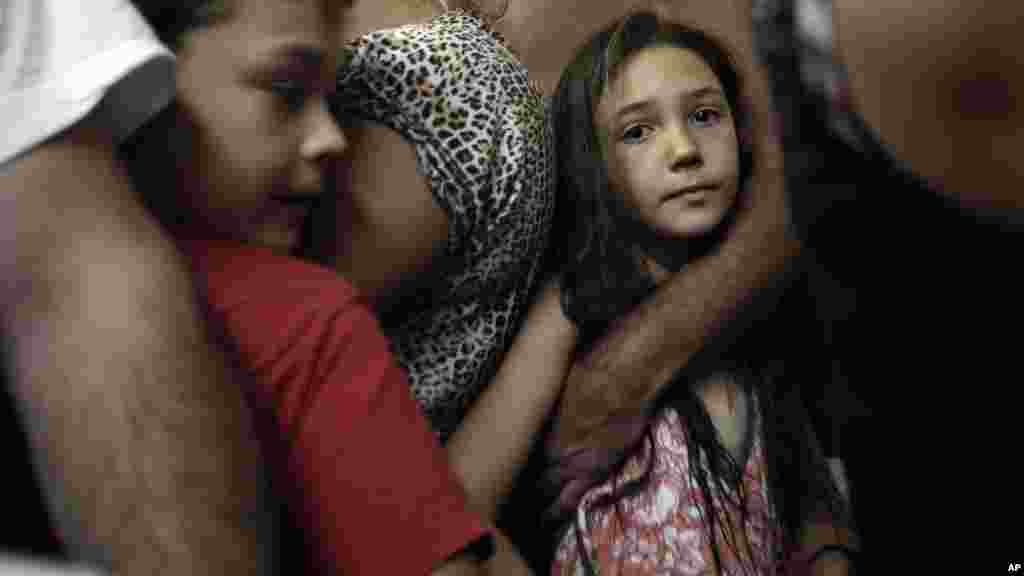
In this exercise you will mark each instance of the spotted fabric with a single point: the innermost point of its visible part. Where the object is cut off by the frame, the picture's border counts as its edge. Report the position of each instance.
(661, 529)
(453, 89)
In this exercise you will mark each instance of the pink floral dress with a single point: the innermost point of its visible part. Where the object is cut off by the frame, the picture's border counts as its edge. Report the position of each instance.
(660, 530)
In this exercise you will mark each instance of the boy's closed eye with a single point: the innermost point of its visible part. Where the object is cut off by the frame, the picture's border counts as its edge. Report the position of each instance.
(291, 92)
(288, 89)
(292, 75)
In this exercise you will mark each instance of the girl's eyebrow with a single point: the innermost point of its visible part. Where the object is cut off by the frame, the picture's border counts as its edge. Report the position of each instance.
(706, 91)
(637, 106)
(642, 105)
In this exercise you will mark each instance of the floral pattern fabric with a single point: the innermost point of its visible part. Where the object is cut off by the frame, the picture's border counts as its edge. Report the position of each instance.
(661, 530)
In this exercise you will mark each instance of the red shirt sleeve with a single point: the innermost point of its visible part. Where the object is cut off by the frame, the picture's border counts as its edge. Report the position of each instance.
(374, 493)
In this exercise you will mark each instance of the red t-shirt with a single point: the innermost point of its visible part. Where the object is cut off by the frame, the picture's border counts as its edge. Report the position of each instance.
(371, 487)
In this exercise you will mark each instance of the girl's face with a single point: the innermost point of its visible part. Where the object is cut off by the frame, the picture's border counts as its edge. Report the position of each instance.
(253, 87)
(670, 141)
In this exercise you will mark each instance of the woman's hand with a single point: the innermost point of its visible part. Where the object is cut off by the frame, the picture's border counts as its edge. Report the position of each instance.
(492, 444)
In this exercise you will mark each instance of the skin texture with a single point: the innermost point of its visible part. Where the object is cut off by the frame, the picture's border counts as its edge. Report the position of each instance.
(359, 17)
(151, 467)
(940, 83)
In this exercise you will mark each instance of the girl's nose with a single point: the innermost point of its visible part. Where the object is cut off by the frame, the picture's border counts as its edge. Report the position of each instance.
(682, 149)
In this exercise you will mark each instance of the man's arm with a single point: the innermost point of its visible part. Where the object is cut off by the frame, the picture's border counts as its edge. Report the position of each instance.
(139, 427)
(940, 82)
(639, 354)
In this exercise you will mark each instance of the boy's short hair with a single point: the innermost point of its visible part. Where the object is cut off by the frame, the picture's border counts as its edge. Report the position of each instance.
(171, 19)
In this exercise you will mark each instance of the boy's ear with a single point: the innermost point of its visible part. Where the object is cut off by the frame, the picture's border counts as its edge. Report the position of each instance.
(745, 148)
(488, 10)
(492, 10)
(744, 137)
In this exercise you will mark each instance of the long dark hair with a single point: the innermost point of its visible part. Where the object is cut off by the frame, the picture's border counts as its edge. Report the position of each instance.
(594, 252)
(172, 19)
(602, 279)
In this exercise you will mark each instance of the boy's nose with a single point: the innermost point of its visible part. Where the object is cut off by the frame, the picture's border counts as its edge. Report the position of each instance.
(324, 140)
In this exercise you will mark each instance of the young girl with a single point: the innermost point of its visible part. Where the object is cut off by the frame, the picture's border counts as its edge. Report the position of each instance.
(724, 474)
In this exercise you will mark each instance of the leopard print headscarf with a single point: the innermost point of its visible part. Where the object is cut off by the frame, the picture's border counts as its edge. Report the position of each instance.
(453, 89)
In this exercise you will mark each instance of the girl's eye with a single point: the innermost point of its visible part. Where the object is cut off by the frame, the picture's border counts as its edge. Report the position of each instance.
(635, 133)
(705, 117)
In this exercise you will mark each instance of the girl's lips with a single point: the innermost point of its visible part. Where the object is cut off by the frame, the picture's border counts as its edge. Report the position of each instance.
(691, 194)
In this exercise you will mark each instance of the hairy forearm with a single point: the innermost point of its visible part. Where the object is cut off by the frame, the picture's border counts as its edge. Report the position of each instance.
(638, 355)
(140, 431)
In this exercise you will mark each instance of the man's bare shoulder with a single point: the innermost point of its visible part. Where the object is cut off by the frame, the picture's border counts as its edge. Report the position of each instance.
(938, 80)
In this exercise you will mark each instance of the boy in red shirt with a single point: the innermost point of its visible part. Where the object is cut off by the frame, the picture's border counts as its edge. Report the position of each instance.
(368, 482)
(233, 170)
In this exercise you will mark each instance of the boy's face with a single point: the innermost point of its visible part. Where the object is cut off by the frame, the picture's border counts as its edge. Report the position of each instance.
(253, 86)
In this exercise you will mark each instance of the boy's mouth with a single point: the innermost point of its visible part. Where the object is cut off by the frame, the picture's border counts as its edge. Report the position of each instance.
(296, 207)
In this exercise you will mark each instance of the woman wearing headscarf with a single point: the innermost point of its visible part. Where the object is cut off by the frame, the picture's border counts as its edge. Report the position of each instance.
(449, 251)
